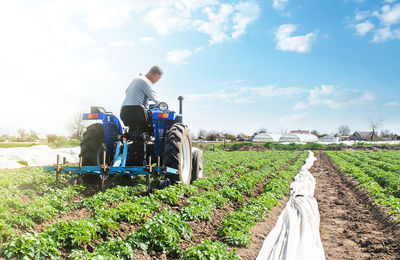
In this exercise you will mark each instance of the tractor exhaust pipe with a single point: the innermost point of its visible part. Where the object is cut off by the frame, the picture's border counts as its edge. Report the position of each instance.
(180, 98)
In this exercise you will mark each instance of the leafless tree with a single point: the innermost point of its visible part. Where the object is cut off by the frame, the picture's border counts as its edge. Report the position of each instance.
(262, 130)
(211, 135)
(344, 130)
(315, 132)
(22, 134)
(77, 127)
(51, 138)
(33, 135)
(374, 122)
(229, 136)
(201, 133)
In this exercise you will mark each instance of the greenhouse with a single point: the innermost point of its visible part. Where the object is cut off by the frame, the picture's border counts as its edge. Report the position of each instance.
(328, 139)
(266, 137)
(298, 138)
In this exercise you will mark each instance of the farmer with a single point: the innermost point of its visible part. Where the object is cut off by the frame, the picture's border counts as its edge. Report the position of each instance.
(140, 91)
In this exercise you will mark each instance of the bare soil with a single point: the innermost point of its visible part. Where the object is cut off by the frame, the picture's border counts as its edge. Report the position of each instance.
(253, 148)
(351, 227)
(72, 215)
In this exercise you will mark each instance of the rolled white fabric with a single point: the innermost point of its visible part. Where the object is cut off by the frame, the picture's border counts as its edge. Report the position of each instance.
(296, 233)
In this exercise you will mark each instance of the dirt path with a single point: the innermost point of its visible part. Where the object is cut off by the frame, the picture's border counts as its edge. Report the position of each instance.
(349, 229)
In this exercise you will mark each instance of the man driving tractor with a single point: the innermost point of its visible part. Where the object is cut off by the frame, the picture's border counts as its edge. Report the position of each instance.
(140, 91)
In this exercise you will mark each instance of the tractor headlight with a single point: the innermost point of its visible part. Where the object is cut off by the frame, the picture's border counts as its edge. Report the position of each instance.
(163, 106)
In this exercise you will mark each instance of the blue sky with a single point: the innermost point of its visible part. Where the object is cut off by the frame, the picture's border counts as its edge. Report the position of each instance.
(240, 65)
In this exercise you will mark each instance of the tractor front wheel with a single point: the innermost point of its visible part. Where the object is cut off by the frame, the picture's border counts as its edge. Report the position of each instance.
(197, 164)
(178, 153)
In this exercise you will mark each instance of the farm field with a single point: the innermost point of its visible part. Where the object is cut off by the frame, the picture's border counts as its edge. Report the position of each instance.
(226, 215)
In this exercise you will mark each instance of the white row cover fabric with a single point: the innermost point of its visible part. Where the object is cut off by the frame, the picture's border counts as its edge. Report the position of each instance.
(38, 155)
(298, 138)
(296, 233)
(267, 137)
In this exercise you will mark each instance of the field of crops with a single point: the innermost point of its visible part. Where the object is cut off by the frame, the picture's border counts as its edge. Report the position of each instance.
(208, 219)
(377, 172)
(40, 220)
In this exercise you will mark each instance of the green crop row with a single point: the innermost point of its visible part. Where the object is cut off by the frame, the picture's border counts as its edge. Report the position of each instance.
(236, 226)
(388, 161)
(126, 210)
(209, 250)
(378, 193)
(161, 229)
(74, 234)
(16, 213)
(390, 181)
(201, 207)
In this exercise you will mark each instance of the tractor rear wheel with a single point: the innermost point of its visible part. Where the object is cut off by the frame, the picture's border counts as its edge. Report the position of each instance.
(178, 153)
(93, 145)
(197, 164)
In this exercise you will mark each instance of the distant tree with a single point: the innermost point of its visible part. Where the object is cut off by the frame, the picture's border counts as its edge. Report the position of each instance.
(344, 130)
(33, 136)
(202, 133)
(243, 135)
(317, 134)
(262, 130)
(51, 138)
(77, 126)
(374, 122)
(211, 135)
(229, 136)
(22, 134)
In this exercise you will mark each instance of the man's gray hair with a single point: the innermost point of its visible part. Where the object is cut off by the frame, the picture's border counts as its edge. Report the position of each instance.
(156, 70)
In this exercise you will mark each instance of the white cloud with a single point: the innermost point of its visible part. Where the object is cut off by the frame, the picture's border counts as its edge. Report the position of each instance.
(246, 13)
(287, 42)
(169, 19)
(148, 40)
(178, 56)
(334, 97)
(382, 22)
(223, 21)
(232, 82)
(217, 24)
(279, 4)
(96, 14)
(121, 43)
(364, 28)
(246, 94)
(382, 35)
(362, 15)
(200, 48)
(292, 118)
(392, 104)
(389, 15)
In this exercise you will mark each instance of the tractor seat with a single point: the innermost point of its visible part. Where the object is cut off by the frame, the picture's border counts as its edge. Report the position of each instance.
(139, 121)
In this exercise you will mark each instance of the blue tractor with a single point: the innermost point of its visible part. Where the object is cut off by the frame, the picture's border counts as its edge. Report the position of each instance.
(150, 141)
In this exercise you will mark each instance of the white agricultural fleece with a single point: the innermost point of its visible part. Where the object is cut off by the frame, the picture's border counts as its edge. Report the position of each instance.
(38, 155)
(296, 233)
